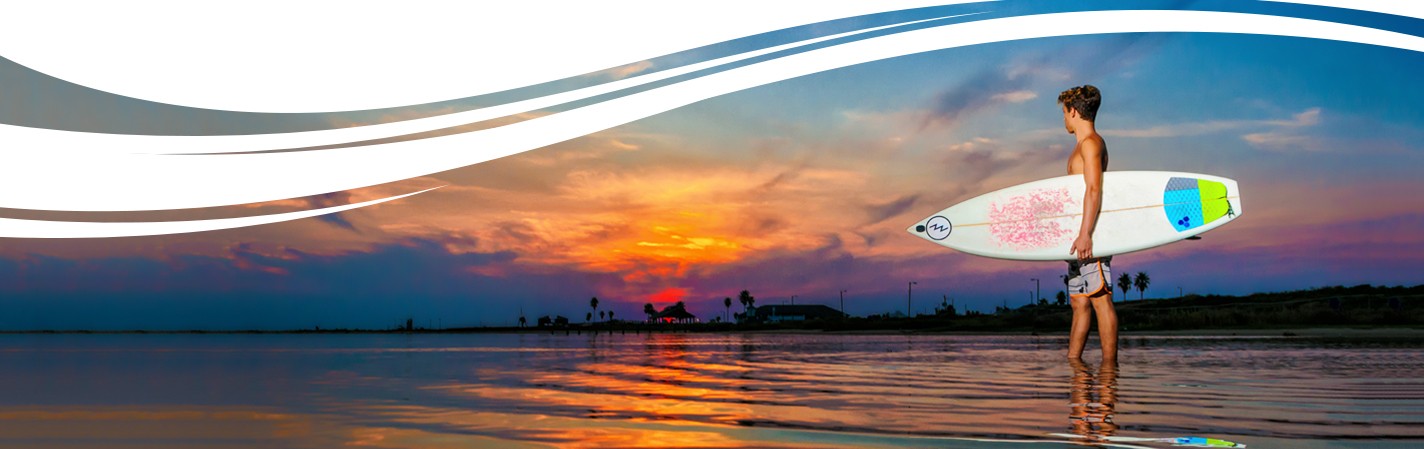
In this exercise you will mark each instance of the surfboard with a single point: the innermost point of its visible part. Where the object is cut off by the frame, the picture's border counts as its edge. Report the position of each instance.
(1175, 441)
(1039, 220)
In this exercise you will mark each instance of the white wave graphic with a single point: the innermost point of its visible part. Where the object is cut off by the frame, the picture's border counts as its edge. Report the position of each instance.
(17, 228)
(344, 55)
(132, 181)
(56, 142)
(1400, 8)
(326, 55)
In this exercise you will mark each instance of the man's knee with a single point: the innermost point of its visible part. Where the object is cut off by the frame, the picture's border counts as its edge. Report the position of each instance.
(1080, 303)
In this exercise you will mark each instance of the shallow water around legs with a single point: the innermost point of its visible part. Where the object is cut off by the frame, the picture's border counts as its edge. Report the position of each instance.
(702, 390)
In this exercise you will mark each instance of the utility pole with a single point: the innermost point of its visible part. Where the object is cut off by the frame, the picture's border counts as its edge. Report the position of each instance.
(843, 303)
(1037, 293)
(793, 300)
(909, 292)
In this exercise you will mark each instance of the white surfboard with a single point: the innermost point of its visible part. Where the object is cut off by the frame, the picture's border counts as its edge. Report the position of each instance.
(1039, 220)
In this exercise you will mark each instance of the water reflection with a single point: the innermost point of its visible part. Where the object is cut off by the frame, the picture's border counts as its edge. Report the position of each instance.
(1092, 399)
(691, 390)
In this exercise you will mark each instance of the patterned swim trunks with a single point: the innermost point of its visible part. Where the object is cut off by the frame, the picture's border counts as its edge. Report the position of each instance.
(1091, 277)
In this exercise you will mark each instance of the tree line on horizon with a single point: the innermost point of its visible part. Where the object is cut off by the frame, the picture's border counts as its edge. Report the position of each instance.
(1126, 282)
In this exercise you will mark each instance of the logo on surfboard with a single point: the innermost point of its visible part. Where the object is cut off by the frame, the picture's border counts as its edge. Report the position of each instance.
(938, 227)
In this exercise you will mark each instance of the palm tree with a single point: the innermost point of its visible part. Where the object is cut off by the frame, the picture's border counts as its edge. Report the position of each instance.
(522, 321)
(600, 315)
(1124, 282)
(728, 303)
(748, 301)
(610, 315)
(1141, 283)
(1062, 298)
(650, 310)
(594, 304)
(588, 317)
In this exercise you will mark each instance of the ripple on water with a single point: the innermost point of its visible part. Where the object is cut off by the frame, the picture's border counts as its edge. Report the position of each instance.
(715, 390)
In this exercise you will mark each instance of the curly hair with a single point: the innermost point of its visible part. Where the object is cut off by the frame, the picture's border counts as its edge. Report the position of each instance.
(1085, 99)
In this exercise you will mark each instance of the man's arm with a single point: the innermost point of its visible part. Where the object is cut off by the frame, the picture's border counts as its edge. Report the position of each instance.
(1092, 152)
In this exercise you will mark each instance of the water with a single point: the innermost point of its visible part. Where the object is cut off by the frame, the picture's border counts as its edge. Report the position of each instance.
(699, 390)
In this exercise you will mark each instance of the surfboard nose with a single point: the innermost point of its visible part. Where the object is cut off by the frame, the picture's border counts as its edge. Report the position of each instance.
(917, 229)
(934, 228)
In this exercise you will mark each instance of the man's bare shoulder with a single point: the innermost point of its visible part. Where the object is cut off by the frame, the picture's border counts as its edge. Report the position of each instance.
(1094, 143)
(1093, 147)
(1090, 152)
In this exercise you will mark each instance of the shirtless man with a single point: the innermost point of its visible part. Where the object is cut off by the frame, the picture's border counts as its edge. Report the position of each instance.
(1089, 278)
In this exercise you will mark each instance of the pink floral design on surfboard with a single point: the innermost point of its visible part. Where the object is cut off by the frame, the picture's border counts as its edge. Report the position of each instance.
(1020, 222)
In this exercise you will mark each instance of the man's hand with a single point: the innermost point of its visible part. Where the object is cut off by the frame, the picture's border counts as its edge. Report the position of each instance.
(1083, 247)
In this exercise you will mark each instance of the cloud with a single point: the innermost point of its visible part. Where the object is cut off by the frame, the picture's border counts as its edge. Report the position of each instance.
(623, 71)
(331, 200)
(598, 148)
(630, 69)
(972, 144)
(974, 161)
(1277, 133)
(1289, 134)
(1182, 129)
(1276, 141)
(1309, 117)
(979, 92)
(1112, 54)
(880, 212)
(779, 179)
(1018, 96)
(1013, 82)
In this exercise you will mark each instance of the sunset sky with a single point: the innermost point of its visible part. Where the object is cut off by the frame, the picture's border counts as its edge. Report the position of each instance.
(802, 187)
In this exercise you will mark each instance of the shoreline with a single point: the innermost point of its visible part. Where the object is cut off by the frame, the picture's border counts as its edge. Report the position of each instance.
(1304, 332)
(1301, 332)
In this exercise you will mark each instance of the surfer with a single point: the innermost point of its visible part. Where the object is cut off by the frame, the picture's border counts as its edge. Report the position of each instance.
(1088, 277)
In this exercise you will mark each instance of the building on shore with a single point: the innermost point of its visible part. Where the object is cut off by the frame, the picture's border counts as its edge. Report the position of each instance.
(556, 321)
(778, 313)
(676, 313)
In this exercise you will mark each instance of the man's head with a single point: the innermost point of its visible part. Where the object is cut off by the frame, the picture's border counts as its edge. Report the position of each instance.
(1080, 103)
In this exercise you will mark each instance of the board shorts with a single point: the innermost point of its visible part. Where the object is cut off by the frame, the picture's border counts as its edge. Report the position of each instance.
(1090, 277)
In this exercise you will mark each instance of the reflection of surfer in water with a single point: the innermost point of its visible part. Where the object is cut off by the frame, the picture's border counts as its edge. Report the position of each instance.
(1092, 402)
(1091, 399)
(1089, 278)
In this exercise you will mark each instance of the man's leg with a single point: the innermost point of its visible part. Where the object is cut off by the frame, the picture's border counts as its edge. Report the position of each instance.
(1107, 325)
(1082, 319)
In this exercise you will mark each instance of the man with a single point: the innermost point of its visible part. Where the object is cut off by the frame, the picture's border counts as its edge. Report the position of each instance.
(1089, 278)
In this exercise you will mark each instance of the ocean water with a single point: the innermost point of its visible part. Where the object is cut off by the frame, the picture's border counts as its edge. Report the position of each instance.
(680, 390)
